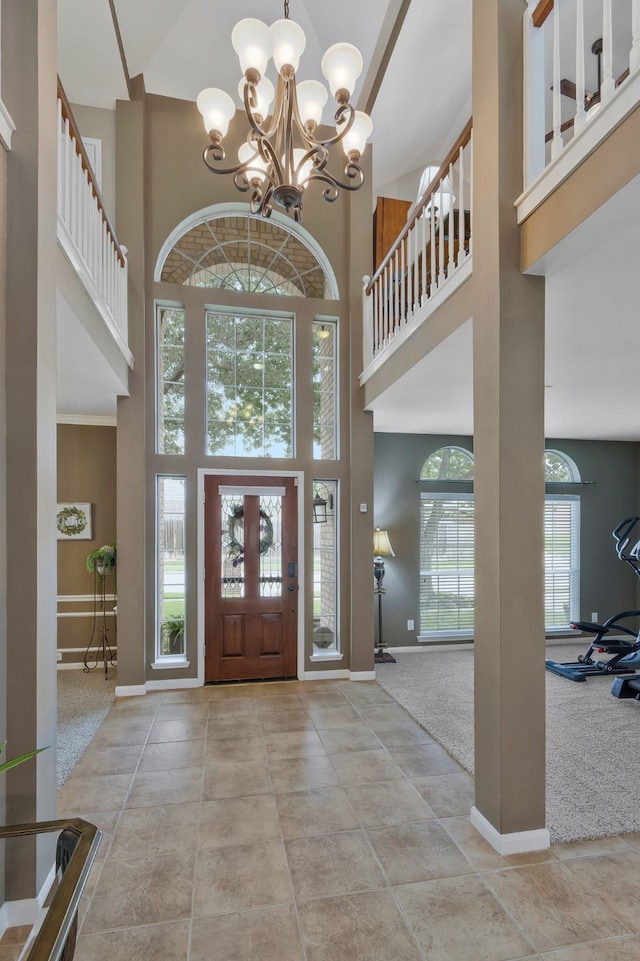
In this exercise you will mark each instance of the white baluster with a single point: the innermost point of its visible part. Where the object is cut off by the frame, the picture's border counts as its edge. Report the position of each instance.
(556, 143)
(462, 253)
(534, 97)
(416, 262)
(403, 297)
(432, 224)
(59, 152)
(422, 285)
(581, 114)
(368, 321)
(634, 55)
(608, 83)
(396, 283)
(440, 234)
(387, 305)
(451, 224)
(471, 193)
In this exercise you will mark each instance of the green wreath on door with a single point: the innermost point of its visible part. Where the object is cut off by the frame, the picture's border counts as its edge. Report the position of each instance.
(235, 549)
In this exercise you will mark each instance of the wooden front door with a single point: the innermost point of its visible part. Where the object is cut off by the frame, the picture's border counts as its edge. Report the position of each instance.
(251, 577)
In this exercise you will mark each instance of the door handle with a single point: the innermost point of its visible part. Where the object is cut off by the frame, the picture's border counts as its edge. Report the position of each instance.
(292, 587)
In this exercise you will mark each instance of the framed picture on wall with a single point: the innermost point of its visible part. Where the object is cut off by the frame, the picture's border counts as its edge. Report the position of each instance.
(73, 522)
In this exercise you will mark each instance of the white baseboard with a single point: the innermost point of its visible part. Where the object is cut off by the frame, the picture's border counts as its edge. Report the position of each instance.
(174, 684)
(362, 675)
(130, 690)
(14, 914)
(70, 665)
(519, 842)
(338, 675)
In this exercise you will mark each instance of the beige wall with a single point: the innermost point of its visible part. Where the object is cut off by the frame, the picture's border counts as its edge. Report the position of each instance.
(100, 124)
(177, 185)
(86, 474)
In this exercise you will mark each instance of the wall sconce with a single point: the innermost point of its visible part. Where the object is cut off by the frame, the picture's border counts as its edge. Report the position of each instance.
(319, 508)
(320, 505)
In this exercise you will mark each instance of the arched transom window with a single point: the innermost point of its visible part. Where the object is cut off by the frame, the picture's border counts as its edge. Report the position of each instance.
(247, 254)
(559, 468)
(448, 463)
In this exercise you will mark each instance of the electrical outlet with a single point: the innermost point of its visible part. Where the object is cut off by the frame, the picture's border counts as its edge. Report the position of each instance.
(410, 625)
(594, 617)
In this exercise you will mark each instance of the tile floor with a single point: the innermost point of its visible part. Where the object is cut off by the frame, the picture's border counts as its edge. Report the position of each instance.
(316, 821)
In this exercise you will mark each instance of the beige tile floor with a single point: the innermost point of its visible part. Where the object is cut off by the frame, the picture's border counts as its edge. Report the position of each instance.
(316, 821)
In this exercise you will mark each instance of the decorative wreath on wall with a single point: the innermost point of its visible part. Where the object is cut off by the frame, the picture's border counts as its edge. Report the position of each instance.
(71, 521)
(236, 547)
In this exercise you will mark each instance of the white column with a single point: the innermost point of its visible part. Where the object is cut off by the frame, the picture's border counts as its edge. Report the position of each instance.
(367, 321)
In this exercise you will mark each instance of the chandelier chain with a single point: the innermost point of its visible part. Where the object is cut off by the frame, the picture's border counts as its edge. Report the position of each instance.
(286, 9)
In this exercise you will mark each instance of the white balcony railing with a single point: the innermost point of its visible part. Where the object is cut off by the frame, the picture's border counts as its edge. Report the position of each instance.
(85, 231)
(582, 57)
(423, 264)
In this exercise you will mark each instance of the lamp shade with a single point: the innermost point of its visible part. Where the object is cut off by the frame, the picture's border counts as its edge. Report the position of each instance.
(257, 166)
(312, 96)
(253, 42)
(289, 42)
(381, 544)
(342, 65)
(305, 168)
(217, 109)
(265, 92)
(356, 137)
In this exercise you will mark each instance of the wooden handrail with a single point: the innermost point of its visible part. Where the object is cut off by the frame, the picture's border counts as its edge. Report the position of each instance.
(452, 156)
(541, 12)
(86, 164)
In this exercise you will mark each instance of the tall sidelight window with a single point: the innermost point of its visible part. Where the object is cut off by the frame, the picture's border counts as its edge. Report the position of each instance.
(325, 421)
(170, 380)
(325, 567)
(170, 565)
(447, 525)
(249, 385)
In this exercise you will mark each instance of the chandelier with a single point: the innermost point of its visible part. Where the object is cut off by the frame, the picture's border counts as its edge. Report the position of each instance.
(282, 155)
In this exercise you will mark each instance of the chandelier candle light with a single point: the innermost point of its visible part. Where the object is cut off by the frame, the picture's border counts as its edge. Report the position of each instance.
(281, 155)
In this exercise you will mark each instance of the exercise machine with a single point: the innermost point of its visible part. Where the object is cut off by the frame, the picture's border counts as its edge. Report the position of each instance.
(626, 687)
(624, 652)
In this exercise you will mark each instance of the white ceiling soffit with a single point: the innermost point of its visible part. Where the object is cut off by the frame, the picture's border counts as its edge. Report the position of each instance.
(436, 395)
(89, 60)
(86, 383)
(425, 98)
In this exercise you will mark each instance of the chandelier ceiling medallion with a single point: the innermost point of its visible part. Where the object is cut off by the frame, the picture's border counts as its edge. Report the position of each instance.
(281, 155)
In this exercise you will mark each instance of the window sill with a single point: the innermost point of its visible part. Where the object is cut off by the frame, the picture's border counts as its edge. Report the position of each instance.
(326, 656)
(170, 663)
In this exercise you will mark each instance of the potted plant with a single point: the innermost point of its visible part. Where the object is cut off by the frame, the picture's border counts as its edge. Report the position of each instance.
(173, 635)
(102, 560)
(6, 765)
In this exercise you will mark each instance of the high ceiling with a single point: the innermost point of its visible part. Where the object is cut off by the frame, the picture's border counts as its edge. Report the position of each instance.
(417, 83)
(182, 46)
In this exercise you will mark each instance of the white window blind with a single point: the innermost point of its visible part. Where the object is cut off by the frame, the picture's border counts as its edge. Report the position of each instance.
(561, 560)
(447, 563)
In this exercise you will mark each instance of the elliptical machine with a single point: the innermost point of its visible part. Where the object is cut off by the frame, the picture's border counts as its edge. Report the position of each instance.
(625, 654)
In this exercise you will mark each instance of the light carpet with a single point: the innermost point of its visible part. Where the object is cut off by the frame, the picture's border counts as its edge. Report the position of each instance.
(593, 739)
(84, 700)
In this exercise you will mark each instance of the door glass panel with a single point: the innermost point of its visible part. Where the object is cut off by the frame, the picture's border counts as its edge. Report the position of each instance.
(271, 545)
(231, 546)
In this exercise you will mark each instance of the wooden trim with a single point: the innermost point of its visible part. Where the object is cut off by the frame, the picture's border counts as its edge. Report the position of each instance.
(452, 156)
(541, 12)
(86, 165)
